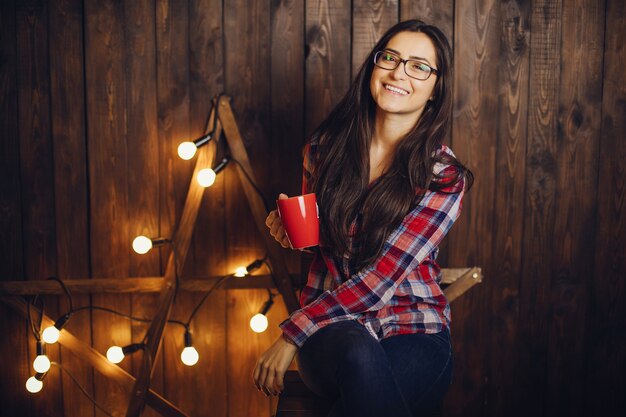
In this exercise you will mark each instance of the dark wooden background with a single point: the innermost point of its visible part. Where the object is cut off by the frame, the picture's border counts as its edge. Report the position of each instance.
(96, 95)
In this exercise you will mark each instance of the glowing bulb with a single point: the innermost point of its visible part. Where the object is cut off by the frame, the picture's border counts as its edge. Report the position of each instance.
(206, 177)
(241, 272)
(33, 385)
(187, 150)
(41, 364)
(258, 323)
(189, 356)
(142, 245)
(50, 335)
(115, 354)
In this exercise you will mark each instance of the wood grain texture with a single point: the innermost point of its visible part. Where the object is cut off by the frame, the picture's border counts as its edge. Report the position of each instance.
(541, 186)
(287, 96)
(181, 241)
(255, 203)
(96, 359)
(154, 284)
(435, 12)
(370, 20)
(207, 254)
(287, 104)
(327, 58)
(143, 156)
(502, 393)
(541, 165)
(174, 66)
(14, 401)
(67, 91)
(474, 140)
(579, 121)
(247, 81)
(539, 117)
(105, 84)
(37, 175)
(606, 310)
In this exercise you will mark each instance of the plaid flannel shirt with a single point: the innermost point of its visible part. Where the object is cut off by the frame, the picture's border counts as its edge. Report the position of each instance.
(399, 292)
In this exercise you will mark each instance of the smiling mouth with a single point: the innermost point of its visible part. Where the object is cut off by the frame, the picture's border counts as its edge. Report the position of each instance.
(395, 89)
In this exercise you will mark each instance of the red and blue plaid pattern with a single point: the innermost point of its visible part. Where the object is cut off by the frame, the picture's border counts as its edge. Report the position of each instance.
(399, 292)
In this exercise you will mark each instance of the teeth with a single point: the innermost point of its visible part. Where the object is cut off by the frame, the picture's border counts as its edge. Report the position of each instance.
(396, 90)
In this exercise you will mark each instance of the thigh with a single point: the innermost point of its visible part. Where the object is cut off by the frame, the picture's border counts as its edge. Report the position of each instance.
(343, 360)
(330, 350)
(422, 366)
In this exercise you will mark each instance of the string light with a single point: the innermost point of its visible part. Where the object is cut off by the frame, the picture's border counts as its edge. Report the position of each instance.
(143, 244)
(41, 363)
(206, 177)
(258, 322)
(116, 354)
(242, 271)
(187, 150)
(34, 384)
(189, 356)
(51, 334)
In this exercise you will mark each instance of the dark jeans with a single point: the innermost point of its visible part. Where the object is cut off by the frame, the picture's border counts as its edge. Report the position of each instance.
(400, 376)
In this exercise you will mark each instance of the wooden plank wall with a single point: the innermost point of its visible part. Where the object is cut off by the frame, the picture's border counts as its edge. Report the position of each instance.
(96, 96)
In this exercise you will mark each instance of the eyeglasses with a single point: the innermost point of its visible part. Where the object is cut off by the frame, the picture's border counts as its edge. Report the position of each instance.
(412, 67)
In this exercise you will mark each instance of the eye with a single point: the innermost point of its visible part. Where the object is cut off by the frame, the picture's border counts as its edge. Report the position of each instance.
(389, 57)
(419, 66)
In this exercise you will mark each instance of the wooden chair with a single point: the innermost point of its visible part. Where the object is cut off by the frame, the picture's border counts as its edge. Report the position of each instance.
(297, 400)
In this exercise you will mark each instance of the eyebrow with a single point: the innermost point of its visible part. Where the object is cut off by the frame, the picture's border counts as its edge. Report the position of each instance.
(410, 57)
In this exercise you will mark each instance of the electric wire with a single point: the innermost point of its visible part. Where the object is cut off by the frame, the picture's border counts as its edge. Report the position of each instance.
(68, 294)
(81, 388)
(204, 298)
(253, 184)
(35, 328)
(127, 316)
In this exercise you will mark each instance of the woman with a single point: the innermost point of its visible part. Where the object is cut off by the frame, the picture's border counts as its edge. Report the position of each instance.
(373, 333)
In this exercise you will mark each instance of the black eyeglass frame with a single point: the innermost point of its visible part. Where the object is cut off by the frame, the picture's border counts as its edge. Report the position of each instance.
(404, 61)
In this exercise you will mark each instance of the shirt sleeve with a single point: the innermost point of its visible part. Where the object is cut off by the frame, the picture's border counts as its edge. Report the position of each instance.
(370, 289)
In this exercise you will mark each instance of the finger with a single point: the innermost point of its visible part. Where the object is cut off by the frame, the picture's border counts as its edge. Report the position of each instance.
(269, 383)
(270, 218)
(256, 373)
(282, 196)
(279, 383)
(262, 376)
(275, 230)
(285, 243)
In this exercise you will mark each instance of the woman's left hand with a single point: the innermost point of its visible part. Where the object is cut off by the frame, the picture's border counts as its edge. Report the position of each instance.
(270, 368)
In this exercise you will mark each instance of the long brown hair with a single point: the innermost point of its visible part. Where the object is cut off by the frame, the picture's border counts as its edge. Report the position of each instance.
(341, 165)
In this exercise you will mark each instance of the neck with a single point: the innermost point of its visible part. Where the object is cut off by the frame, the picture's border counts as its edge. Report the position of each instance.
(391, 128)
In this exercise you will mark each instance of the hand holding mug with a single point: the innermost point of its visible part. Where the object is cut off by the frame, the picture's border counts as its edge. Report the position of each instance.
(275, 224)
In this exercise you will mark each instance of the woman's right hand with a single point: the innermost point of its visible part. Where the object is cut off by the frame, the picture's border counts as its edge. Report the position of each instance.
(275, 225)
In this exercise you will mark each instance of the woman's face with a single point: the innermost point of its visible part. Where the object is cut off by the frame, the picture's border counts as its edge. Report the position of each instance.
(395, 92)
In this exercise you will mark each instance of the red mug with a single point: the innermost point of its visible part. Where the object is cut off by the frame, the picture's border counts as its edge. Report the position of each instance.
(300, 217)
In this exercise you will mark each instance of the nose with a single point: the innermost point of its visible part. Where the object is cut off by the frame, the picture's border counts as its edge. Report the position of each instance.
(399, 73)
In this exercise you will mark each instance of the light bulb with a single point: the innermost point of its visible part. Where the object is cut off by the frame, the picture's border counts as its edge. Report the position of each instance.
(241, 271)
(187, 150)
(206, 177)
(115, 354)
(33, 385)
(258, 323)
(41, 364)
(50, 335)
(189, 356)
(142, 244)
